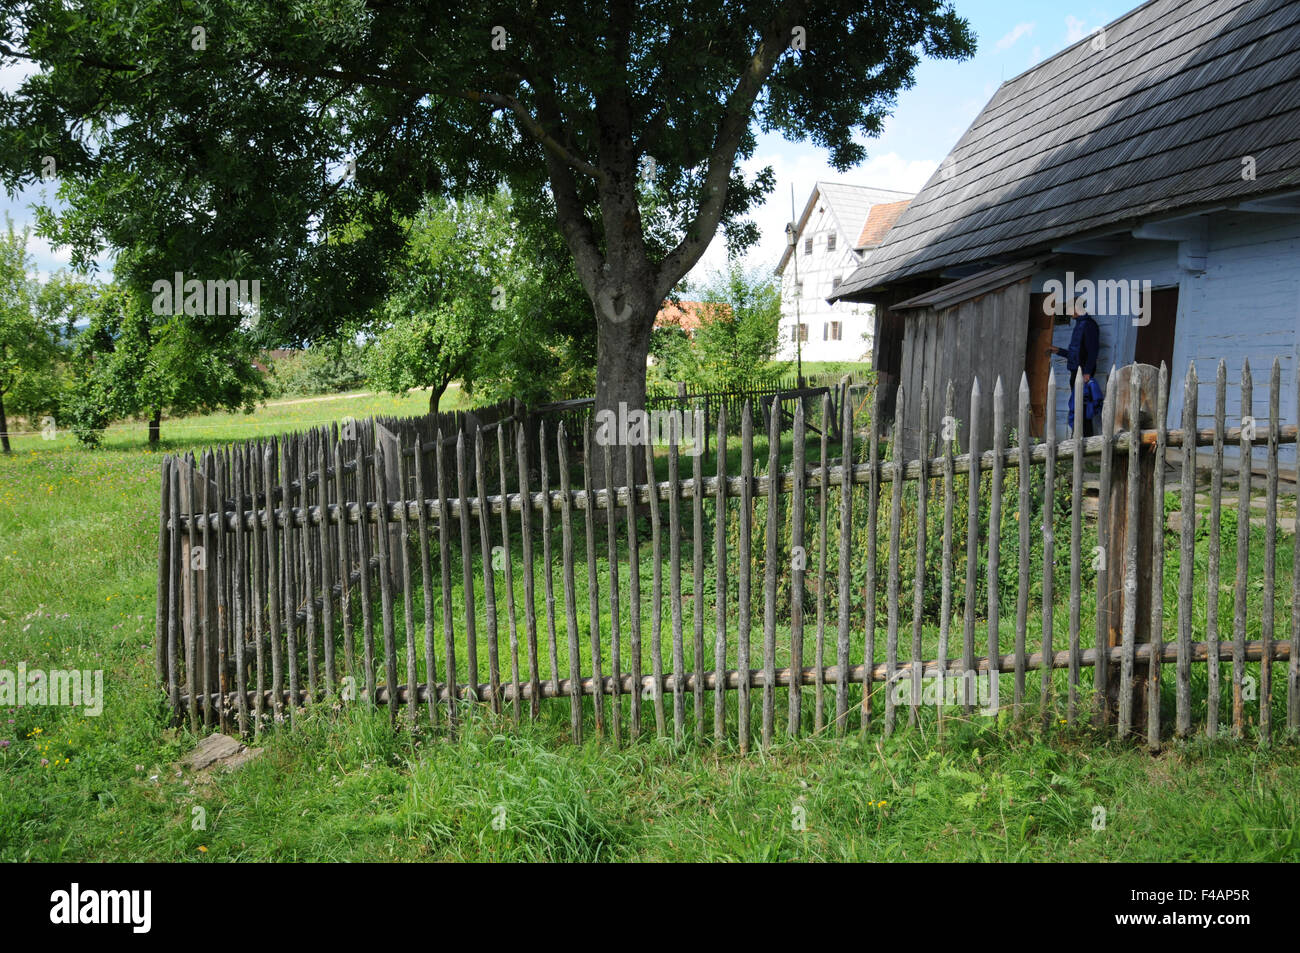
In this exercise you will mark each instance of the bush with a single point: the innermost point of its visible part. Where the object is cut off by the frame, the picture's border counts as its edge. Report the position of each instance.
(738, 336)
(327, 368)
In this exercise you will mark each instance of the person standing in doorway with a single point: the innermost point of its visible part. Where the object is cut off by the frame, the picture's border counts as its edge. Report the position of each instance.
(1081, 357)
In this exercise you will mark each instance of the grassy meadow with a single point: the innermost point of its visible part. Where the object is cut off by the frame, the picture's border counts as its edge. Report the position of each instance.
(78, 538)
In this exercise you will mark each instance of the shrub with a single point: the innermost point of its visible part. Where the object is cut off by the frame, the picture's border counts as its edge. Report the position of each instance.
(328, 368)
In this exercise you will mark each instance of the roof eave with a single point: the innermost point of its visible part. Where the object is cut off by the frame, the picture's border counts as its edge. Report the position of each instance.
(1123, 227)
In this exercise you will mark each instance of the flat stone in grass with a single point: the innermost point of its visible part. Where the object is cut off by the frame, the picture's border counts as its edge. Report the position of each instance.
(220, 751)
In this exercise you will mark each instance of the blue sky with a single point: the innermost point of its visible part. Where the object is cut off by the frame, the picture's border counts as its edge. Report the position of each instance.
(1012, 35)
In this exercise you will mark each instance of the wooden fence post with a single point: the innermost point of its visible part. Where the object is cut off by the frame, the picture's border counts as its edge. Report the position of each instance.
(1129, 533)
(392, 448)
(161, 612)
(198, 497)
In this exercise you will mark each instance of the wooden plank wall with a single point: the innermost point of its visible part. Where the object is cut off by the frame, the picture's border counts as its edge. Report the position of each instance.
(983, 337)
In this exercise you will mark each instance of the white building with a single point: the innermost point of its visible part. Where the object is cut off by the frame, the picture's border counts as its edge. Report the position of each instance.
(839, 227)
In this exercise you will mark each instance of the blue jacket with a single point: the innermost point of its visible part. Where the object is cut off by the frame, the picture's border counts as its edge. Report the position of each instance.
(1085, 342)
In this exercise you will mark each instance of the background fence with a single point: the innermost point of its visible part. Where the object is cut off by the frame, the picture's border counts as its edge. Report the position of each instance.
(299, 569)
(709, 403)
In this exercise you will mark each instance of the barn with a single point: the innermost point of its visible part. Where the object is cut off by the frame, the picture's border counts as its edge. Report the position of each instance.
(1153, 166)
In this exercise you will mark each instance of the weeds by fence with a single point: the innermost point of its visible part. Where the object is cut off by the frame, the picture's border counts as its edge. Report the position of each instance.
(278, 557)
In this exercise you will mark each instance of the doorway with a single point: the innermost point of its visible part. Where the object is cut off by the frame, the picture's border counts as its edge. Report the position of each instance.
(887, 360)
(1038, 363)
(1155, 339)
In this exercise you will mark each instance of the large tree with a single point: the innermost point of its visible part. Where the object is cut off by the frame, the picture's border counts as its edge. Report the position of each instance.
(131, 362)
(28, 343)
(288, 142)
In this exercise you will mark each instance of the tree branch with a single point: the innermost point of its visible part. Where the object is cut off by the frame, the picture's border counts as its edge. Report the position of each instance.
(93, 61)
(576, 228)
(536, 130)
(381, 80)
(500, 100)
(735, 120)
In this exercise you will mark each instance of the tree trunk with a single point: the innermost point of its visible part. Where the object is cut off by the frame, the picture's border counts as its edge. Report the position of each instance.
(4, 426)
(435, 396)
(621, 351)
(155, 427)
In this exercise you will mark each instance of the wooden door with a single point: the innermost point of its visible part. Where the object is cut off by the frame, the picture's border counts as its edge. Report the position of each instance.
(1038, 364)
(886, 361)
(1155, 339)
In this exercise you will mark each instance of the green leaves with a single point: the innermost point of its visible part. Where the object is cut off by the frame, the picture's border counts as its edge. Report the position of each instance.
(186, 152)
(447, 291)
(738, 336)
(30, 337)
(129, 361)
(475, 298)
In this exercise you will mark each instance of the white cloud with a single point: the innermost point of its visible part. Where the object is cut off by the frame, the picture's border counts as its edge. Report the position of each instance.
(40, 248)
(1075, 30)
(47, 259)
(1012, 38)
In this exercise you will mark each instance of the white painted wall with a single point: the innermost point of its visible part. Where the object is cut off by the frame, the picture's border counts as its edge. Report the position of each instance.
(817, 271)
(1245, 306)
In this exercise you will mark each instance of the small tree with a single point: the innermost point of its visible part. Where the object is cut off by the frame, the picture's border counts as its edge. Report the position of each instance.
(29, 349)
(131, 362)
(738, 335)
(488, 300)
(448, 290)
(547, 346)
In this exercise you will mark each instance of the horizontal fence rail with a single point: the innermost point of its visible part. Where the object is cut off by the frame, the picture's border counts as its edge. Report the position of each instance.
(835, 587)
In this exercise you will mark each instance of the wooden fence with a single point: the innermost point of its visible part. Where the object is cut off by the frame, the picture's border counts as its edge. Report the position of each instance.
(295, 570)
(711, 402)
(758, 393)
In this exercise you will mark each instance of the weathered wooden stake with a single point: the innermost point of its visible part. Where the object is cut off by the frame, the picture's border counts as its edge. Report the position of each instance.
(1129, 533)
(1186, 559)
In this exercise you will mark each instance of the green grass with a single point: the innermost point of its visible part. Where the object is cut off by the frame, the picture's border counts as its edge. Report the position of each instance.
(279, 415)
(77, 560)
(837, 368)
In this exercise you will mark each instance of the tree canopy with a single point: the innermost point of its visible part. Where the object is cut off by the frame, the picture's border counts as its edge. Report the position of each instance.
(288, 143)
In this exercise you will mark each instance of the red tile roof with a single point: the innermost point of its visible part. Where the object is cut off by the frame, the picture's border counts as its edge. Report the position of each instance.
(686, 315)
(880, 220)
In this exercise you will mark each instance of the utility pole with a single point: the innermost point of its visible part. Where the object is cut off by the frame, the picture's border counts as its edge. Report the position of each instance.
(792, 239)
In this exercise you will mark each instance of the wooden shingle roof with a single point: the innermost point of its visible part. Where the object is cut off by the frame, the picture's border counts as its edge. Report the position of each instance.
(1156, 113)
